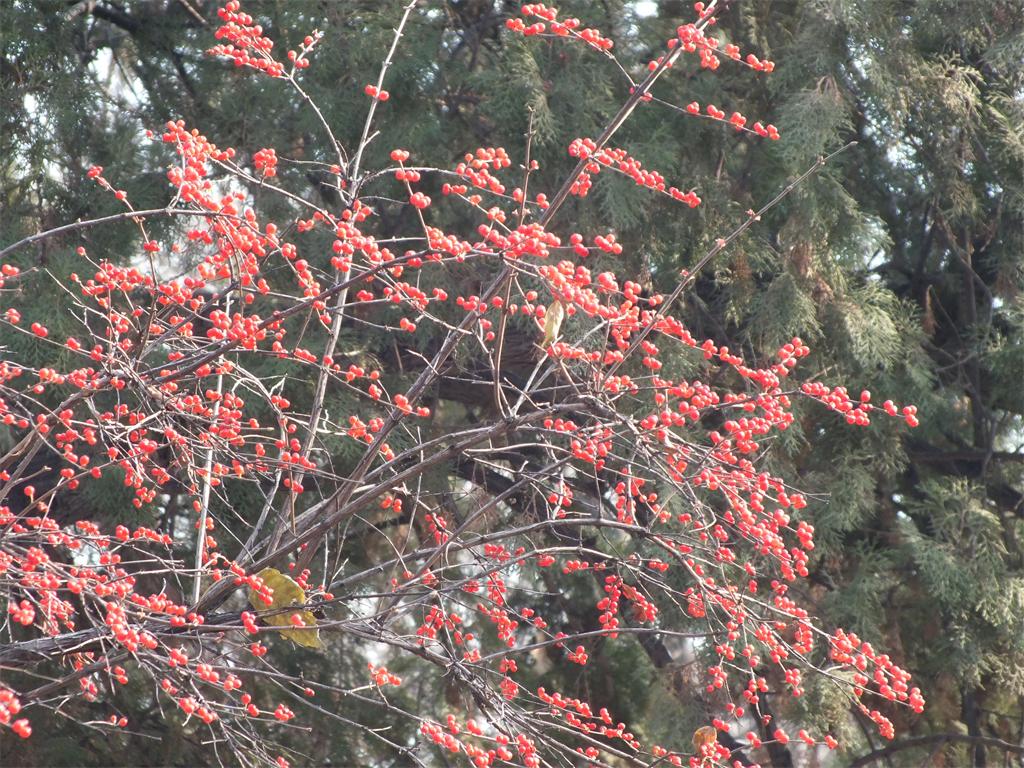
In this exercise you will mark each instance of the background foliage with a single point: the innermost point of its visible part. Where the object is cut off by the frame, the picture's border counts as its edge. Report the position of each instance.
(901, 265)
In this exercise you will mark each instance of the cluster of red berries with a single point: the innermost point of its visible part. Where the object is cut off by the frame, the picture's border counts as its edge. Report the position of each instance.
(246, 44)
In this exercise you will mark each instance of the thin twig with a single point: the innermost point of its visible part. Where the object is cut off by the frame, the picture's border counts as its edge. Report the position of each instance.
(691, 276)
(126, 215)
(385, 65)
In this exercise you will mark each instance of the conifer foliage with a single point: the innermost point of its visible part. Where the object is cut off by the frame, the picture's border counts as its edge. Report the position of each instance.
(342, 441)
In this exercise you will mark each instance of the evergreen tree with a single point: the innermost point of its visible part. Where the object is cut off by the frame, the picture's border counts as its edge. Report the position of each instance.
(899, 263)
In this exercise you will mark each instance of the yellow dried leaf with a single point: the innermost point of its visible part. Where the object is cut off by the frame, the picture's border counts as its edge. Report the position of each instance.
(704, 735)
(552, 322)
(286, 592)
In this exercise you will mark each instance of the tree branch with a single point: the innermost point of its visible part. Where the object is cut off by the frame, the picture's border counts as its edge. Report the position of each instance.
(936, 738)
